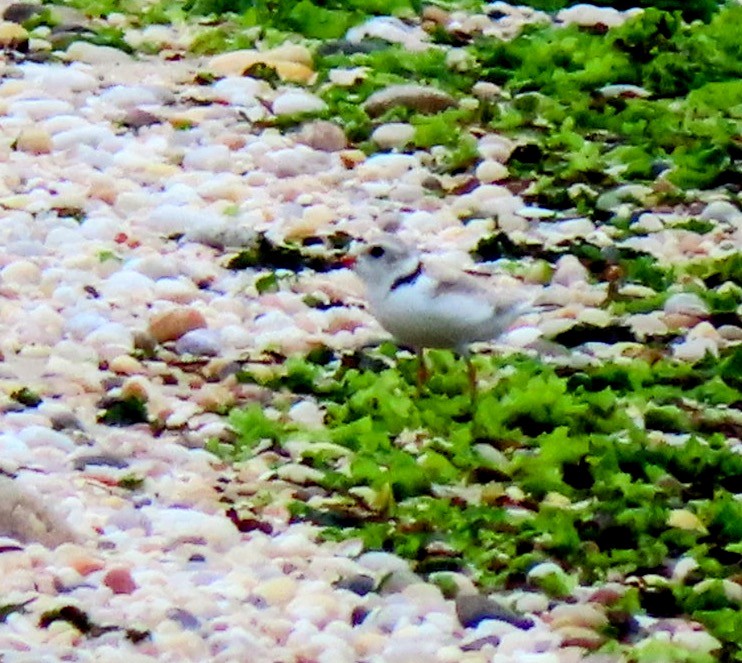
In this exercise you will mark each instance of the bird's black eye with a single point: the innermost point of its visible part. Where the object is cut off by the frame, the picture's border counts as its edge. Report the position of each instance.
(376, 251)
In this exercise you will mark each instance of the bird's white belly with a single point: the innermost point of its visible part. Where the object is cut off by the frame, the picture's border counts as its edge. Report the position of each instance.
(415, 316)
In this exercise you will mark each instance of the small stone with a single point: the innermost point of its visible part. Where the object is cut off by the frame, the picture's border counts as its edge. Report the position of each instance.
(212, 158)
(436, 15)
(20, 12)
(172, 324)
(694, 349)
(13, 36)
(125, 365)
(686, 520)
(119, 580)
(323, 135)
(145, 342)
(101, 460)
(581, 636)
(686, 303)
(588, 16)
(624, 92)
(730, 332)
(293, 102)
(34, 140)
(391, 29)
(722, 211)
(136, 387)
(648, 223)
(471, 609)
(276, 591)
(393, 135)
(684, 566)
(635, 194)
(20, 273)
(697, 641)
(79, 558)
(136, 118)
(185, 618)
(290, 64)
(581, 614)
(486, 91)
(491, 171)
(358, 584)
(569, 271)
(420, 98)
(199, 342)
(347, 77)
(82, 51)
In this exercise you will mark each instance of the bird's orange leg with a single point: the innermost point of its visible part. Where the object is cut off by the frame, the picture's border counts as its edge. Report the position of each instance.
(471, 372)
(422, 370)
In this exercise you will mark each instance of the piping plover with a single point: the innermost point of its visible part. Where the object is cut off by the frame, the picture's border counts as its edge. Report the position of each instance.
(426, 306)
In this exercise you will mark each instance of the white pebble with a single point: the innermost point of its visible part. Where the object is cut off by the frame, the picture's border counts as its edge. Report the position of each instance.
(569, 271)
(686, 303)
(307, 414)
(299, 160)
(40, 436)
(213, 158)
(290, 103)
(393, 134)
(91, 135)
(20, 273)
(491, 171)
(39, 109)
(240, 91)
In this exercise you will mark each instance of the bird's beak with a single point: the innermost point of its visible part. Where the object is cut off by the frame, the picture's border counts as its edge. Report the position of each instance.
(348, 261)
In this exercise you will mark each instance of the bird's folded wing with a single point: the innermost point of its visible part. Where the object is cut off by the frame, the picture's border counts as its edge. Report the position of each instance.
(501, 295)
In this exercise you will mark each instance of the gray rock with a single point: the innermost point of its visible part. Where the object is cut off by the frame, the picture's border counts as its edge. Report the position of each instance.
(101, 460)
(323, 135)
(358, 584)
(471, 609)
(421, 98)
(723, 211)
(20, 12)
(199, 342)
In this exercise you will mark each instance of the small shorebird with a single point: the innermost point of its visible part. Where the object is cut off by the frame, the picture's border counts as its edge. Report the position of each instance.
(425, 306)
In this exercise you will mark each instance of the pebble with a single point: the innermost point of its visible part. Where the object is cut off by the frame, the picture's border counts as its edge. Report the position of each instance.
(393, 135)
(649, 223)
(20, 273)
(276, 591)
(294, 161)
(82, 51)
(34, 141)
(686, 303)
(199, 342)
(173, 323)
(420, 98)
(13, 36)
(490, 171)
(471, 609)
(699, 641)
(20, 12)
(214, 158)
(322, 135)
(724, 212)
(292, 62)
(569, 271)
(120, 581)
(295, 102)
(589, 15)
